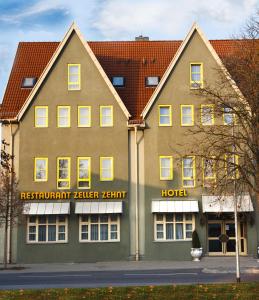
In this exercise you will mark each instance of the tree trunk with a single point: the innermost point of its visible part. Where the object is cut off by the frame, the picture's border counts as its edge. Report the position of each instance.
(5, 243)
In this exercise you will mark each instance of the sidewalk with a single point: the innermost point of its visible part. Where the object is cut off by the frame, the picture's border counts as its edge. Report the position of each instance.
(207, 264)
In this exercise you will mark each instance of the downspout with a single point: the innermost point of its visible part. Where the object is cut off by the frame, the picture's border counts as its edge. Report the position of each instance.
(136, 193)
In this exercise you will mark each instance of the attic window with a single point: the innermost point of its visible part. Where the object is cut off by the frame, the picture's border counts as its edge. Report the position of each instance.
(118, 81)
(152, 81)
(28, 82)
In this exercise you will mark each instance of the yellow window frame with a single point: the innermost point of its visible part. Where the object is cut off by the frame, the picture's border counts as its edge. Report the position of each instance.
(58, 116)
(200, 82)
(36, 116)
(213, 169)
(89, 116)
(101, 115)
(170, 166)
(89, 172)
(193, 172)
(233, 115)
(35, 169)
(69, 173)
(192, 114)
(162, 115)
(211, 106)
(71, 83)
(101, 168)
(236, 162)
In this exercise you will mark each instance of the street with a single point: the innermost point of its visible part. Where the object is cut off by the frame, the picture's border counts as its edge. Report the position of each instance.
(68, 279)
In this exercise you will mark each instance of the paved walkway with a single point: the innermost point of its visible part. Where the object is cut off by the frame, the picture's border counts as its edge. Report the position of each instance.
(207, 264)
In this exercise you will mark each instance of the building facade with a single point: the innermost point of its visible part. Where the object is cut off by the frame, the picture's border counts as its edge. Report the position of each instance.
(95, 129)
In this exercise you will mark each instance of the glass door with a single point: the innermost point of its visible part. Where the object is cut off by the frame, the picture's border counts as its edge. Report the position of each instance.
(226, 227)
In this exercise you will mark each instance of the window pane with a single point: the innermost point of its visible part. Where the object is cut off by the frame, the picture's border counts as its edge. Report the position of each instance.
(164, 111)
(179, 231)
(94, 218)
(114, 236)
(83, 184)
(169, 231)
(188, 217)
(207, 115)
(106, 163)
(118, 81)
(104, 232)
(106, 174)
(169, 217)
(52, 219)
(113, 217)
(94, 232)
(32, 219)
(196, 68)
(63, 184)
(165, 173)
(196, 77)
(42, 233)
(74, 69)
(61, 218)
(103, 218)
(178, 217)
(63, 163)
(187, 110)
(42, 219)
(106, 111)
(165, 162)
(52, 233)
(159, 217)
(188, 182)
(152, 80)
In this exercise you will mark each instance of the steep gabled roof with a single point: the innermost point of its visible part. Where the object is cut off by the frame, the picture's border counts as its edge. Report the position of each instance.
(134, 60)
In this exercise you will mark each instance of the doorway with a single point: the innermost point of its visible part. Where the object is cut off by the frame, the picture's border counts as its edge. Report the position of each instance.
(227, 244)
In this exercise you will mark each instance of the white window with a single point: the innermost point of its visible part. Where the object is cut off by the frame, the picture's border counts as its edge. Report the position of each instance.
(84, 116)
(118, 81)
(196, 75)
(63, 117)
(106, 116)
(207, 114)
(187, 115)
(74, 77)
(188, 171)
(173, 226)
(47, 229)
(40, 169)
(165, 115)
(152, 81)
(41, 116)
(99, 228)
(106, 169)
(228, 116)
(166, 167)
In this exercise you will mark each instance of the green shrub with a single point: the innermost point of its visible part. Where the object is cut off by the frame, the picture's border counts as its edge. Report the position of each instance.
(195, 240)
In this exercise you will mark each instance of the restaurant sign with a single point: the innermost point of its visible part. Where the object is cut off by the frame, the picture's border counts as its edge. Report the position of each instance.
(73, 195)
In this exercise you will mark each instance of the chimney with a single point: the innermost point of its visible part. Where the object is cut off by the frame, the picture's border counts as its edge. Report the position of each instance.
(141, 38)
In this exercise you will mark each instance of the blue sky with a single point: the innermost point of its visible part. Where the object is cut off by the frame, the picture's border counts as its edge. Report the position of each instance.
(48, 20)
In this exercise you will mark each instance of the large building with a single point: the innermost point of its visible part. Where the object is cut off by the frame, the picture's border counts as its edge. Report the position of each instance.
(95, 128)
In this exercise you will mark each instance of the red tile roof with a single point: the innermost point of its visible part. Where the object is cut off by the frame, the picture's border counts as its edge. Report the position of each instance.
(134, 60)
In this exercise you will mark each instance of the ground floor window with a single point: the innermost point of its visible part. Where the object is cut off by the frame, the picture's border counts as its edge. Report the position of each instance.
(99, 228)
(173, 226)
(47, 229)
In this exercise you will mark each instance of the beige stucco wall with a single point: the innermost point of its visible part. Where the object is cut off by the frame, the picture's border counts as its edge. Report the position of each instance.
(53, 142)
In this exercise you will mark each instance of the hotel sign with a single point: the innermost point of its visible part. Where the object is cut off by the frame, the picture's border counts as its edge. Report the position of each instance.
(73, 195)
(174, 193)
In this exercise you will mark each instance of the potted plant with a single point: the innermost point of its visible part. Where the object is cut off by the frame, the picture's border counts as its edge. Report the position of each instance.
(196, 250)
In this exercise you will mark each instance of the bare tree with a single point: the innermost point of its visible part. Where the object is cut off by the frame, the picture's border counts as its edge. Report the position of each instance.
(11, 207)
(229, 150)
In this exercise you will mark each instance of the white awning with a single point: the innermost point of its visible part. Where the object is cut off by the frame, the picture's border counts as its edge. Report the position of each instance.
(48, 208)
(226, 204)
(171, 206)
(98, 207)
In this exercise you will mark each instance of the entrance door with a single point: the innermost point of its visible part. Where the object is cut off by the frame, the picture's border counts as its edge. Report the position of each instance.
(217, 228)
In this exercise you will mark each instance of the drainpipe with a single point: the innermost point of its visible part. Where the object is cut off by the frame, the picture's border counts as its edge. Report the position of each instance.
(136, 193)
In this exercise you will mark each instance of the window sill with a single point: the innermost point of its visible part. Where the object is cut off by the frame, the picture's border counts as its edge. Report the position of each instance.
(171, 241)
(46, 243)
(95, 242)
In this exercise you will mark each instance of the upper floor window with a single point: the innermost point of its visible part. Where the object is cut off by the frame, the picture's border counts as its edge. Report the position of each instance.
(152, 81)
(74, 77)
(84, 116)
(106, 116)
(106, 169)
(231, 166)
(28, 82)
(207, 114)
(196, 75)
(83, 173)
(118, 81)
(40, 169)
(187, 115)
(41, 116)
(63, 172)
(165, 115)
(188, 171)
(209, 172)
(228, 116)
(63, 117)
(166, 167)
